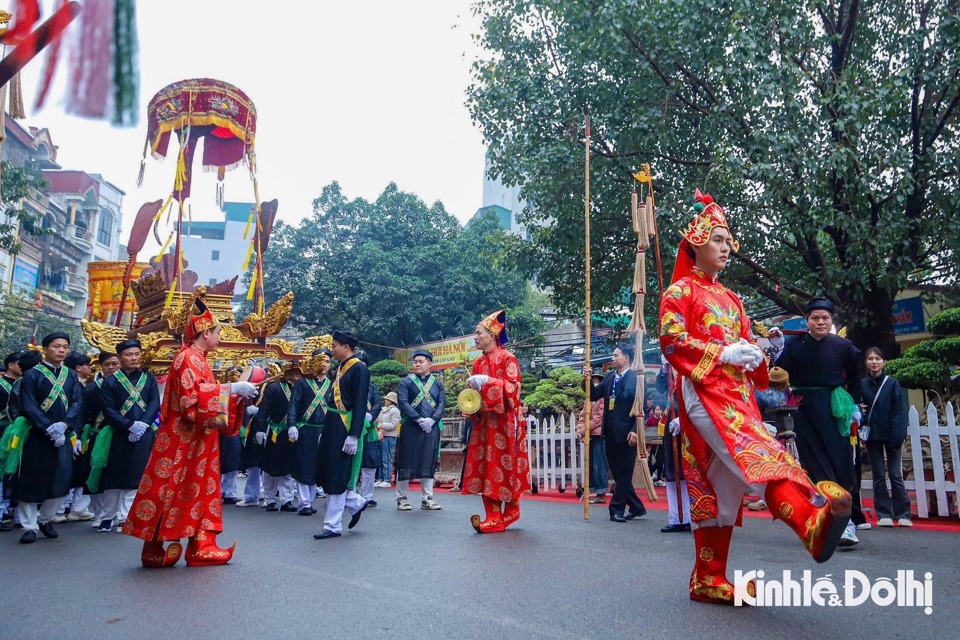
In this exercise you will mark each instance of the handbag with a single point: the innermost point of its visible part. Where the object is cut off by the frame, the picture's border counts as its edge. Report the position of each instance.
(865, 429)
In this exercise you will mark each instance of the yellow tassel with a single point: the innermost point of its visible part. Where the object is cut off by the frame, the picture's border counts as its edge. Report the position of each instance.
(166, 245)
(253, 286)
(651, 223)
(165, 206)
(246, 230)
(633, 212)
(640, 273)
(169, 301)
(246, 260)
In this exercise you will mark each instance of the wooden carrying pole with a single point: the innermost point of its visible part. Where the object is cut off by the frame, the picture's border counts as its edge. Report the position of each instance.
(586, 326)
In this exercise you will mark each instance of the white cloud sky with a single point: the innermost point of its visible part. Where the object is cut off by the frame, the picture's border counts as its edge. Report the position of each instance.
(365, 93)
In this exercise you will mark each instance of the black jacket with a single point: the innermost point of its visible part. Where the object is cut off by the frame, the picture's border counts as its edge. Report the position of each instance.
(888, 419)
(618, 422)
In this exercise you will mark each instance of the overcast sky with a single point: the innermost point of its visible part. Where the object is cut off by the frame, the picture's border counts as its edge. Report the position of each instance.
(364, 93)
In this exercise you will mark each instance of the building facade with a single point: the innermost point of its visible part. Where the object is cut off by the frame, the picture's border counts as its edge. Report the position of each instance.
(215, 250)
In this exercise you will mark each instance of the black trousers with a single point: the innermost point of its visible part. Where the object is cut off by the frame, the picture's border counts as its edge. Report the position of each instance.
(622, 458)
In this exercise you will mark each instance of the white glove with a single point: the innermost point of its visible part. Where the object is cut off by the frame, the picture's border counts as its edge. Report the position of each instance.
(426, 424)
(58, 441)
(368, 417)
(674, 427)
(56, 430)
(134, 436)
(477, 381)
(293, 434)
(77, 448)
(252, 410)
(350, 446)
(244, 389)
(138, 428)
(260, 437)
(741, 354)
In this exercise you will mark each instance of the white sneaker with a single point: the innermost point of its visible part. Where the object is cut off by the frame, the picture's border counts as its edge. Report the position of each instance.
(78, 516)
(245, 503)
(321, 494)
(885, 522)
(849, 538)
(905, 522)
(403, 504)
(863, 526)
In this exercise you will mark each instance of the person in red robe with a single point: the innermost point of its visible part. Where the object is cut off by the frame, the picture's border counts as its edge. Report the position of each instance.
(497, 465)
(179, 495)
(705, 335)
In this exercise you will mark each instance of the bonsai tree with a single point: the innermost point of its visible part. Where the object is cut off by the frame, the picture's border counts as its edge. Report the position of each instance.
(933, 364)
(386, 375)
(560, 392)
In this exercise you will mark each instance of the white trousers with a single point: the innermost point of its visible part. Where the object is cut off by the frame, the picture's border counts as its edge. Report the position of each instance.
(79, 501)
(426, 488)
(96, 506)
(333, 518)
(673, 508)
(30, 515)
(251, 489)
(728, 481)
(116, 504)
(228, 484)
(306, 493)
(367, 478)
(283, 485)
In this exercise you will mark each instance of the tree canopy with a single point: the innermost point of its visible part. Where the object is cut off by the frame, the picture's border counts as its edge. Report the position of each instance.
(395, 271)
(827, 130)
(933, 364)
(15, 185)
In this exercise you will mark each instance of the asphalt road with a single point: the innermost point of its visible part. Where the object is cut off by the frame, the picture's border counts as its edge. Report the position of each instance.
(422, 574)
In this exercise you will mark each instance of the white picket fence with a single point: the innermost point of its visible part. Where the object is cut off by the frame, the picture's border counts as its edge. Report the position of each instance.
(556, 457)
(935, 458)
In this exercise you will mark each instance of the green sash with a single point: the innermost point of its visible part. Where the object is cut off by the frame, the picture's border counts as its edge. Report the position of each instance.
(5, 414)
(317, 397)
(98, 457)
(11, 445)
(424, 391)
(133, 393)
(275, 428)
(56, 393)
(346, 417)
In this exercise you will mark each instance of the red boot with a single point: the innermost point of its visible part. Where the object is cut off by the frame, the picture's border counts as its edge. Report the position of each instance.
(818, 516)
(511, 513)
(708, 582)
(494, 520)
(202, 550)
(154, 556)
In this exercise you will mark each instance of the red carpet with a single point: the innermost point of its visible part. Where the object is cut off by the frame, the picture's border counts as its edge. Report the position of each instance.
(924, 524)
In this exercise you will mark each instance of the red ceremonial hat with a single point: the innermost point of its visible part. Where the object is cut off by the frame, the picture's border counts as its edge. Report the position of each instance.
(496, 323)
(199, 321)
(709, 216)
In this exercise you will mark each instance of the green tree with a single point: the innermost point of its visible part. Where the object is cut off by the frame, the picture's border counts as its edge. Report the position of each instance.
(933, 364)
(394, 270)
(20, 320)
(386, 374)
(561, 391)
(829, 131)
(16, 182)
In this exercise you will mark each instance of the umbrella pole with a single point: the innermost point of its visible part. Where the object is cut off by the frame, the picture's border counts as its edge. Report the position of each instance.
(586, 324)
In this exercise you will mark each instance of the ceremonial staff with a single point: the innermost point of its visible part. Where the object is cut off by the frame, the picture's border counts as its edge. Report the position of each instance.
(643, 226)
(586, 323)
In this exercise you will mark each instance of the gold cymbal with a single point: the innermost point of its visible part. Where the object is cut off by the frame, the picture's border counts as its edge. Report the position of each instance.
(468, 401)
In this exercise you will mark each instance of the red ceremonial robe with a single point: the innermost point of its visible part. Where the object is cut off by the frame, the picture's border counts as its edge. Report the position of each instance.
(698, 317)
(179, 495)
(497, 463)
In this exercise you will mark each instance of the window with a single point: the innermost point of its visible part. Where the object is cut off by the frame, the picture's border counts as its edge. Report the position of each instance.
(105, 232)
(214, 255)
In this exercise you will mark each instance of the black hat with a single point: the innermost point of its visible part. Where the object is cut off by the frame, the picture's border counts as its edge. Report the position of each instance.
(29, 360)
(73, 359)
(128, 344)
(816, 304)
(347, 338)
(50, 337)
(105, 355)
(325, 352)
(422, 352)
(13, 357)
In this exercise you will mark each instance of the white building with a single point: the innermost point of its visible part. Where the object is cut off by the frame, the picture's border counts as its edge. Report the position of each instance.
(505, 202)
(215, 250)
